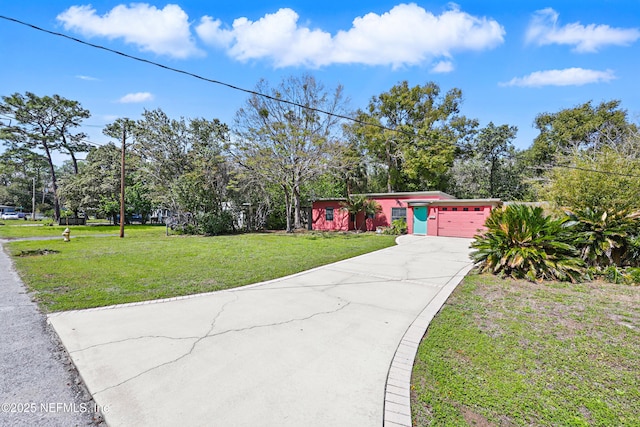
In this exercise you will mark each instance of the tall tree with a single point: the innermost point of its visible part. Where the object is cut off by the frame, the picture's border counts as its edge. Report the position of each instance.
(415, 132)
(70, 115)
(605, 180)
(43, 123)
(20, 172)
(289, 143)
(97, 183)
(582, 127)
(490, 166)
(494, 145)
(182, 162)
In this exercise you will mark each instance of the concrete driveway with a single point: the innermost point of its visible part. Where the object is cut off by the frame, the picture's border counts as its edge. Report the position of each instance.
(313, 349)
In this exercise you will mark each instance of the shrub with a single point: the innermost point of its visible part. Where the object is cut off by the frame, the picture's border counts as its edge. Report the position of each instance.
(613, 274)
(216, 224)
(632, 254)
(602, 236)
(522, 242)
(398, 227)
(634, 275)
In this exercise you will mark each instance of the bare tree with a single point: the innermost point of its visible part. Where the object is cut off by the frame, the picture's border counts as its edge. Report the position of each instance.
(289, 143)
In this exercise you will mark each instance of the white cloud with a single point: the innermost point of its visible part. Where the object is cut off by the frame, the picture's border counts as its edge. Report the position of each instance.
(406, 35)
(87, 78)
(566, 77)
(161, 31)
(137, 97)
(443, 67)
(544, 30)
(108, 118)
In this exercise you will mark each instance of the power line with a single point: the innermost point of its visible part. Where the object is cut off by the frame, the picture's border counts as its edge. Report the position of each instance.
(251, 92)
(549, 167)
(197, 76)
(598, 171)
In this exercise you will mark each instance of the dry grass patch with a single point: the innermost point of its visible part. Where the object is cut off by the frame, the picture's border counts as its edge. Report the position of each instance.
(506, 352)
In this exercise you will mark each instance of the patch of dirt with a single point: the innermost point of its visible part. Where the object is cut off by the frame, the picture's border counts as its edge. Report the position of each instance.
(473, 418)
(37, 252)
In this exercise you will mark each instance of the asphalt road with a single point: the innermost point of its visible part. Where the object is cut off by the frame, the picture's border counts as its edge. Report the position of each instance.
(39, 386)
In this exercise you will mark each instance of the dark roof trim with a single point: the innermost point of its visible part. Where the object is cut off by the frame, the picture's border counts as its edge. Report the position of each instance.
(408, 194)
(456, 202)
(416, 194)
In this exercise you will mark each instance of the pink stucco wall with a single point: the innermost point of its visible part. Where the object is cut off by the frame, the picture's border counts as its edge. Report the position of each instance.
(341, 220)
(454, 220)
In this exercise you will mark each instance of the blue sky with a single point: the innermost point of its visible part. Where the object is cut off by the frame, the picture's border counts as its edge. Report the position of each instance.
(512, 60)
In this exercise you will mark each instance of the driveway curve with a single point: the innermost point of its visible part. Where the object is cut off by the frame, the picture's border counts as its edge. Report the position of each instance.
(320, 348)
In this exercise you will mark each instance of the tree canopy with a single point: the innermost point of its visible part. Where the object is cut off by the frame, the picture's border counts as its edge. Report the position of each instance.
(295, 145)
(289, 143)
(582, 127)
(44, 123)
(415, 133)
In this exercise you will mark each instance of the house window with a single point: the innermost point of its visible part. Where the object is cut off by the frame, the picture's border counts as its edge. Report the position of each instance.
(476, 209)
(397, 213)
(465, 209)
(454, 209)
(443, 209)
(328, 214)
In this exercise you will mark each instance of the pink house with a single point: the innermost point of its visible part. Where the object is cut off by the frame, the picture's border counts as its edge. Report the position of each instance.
(431, 213)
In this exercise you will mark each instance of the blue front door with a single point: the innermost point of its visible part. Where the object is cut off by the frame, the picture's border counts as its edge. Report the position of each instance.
(420, 220)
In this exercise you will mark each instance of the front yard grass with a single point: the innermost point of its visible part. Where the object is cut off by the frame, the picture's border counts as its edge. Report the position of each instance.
(505, 352)
(19, 230)
(91, 272)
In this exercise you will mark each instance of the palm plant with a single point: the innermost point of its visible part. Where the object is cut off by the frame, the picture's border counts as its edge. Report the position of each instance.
(371, 208)
(522, 242)
(358, 203)
(631, 256)
(602, 236)
(354, 205)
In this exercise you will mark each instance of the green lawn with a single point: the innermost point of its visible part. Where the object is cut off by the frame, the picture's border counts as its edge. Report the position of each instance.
(504, 352)
(26, 229)
(97, 271)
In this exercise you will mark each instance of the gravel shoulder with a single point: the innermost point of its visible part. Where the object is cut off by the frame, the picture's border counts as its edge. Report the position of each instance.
(39, 386)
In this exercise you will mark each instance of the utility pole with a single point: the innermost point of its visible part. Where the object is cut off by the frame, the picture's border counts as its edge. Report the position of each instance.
(124, 138)
(33, 201)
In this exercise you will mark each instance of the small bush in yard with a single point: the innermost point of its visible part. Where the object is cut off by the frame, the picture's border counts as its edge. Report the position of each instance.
(522, 242)
(398, 227)
(602, 236)
(217, 224)
(634, 275)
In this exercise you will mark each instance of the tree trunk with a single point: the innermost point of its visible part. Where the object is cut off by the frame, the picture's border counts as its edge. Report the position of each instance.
(287, 204)
(75, 162)
(297, 217)
(388, 152)
(492, 173)
(54, 184)
(71, 153)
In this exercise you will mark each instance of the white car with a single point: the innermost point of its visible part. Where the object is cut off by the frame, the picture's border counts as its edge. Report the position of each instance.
(10, 215)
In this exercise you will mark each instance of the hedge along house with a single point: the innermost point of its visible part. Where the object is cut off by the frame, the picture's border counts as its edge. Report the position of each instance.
(429, 213)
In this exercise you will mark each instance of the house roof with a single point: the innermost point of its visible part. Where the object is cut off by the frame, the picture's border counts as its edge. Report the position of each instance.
(456, 202)
(409, 194)
(416, 194)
